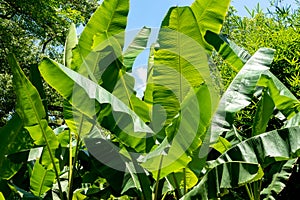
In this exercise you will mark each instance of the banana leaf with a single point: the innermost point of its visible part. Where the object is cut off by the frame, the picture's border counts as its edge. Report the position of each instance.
(288, 106)
(180, 62)
(240, 91)
(210, 15)
(280, 174)
(226, 50)
(41, 179)
(259, 152)
(263, 114)
(224, 176)
(87, 96)
(137, 46)
(265, 149)
(98, 54)
(30, 109)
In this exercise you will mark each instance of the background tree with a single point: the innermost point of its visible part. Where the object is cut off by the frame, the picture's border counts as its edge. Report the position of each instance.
(277, 28)
(31, 29)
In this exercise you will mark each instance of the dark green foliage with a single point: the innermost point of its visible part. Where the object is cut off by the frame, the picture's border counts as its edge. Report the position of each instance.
(31, 29)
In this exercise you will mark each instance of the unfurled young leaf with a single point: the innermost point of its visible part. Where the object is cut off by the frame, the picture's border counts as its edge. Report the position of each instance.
(71, 43)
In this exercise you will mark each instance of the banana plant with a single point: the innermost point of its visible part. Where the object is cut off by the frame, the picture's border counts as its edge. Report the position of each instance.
(157, 145)
(180, 81)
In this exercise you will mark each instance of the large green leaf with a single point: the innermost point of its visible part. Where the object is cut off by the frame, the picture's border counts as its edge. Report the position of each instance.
(265, 148)
(85, 96)
(226, 175)
(138, 45)
(180, 63)
(184, 135)
(108, 20)
(41, 179)
(30, 109)
(182, 87)
(210, 15)
(240, 91)
(105, 29)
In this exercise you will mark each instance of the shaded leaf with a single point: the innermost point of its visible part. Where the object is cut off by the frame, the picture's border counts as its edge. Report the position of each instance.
(226, 175)
(281, 172)
(263, 114)
(14, 139)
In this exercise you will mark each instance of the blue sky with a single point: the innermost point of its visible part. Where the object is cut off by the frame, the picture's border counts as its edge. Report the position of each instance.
(151, 12)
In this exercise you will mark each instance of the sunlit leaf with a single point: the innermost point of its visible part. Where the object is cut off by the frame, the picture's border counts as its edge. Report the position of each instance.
(210, 15)
(41, 179)
(137, 46)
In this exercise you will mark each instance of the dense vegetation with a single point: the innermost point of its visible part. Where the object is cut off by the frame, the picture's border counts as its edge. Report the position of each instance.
(188, 137)
(32, 29)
